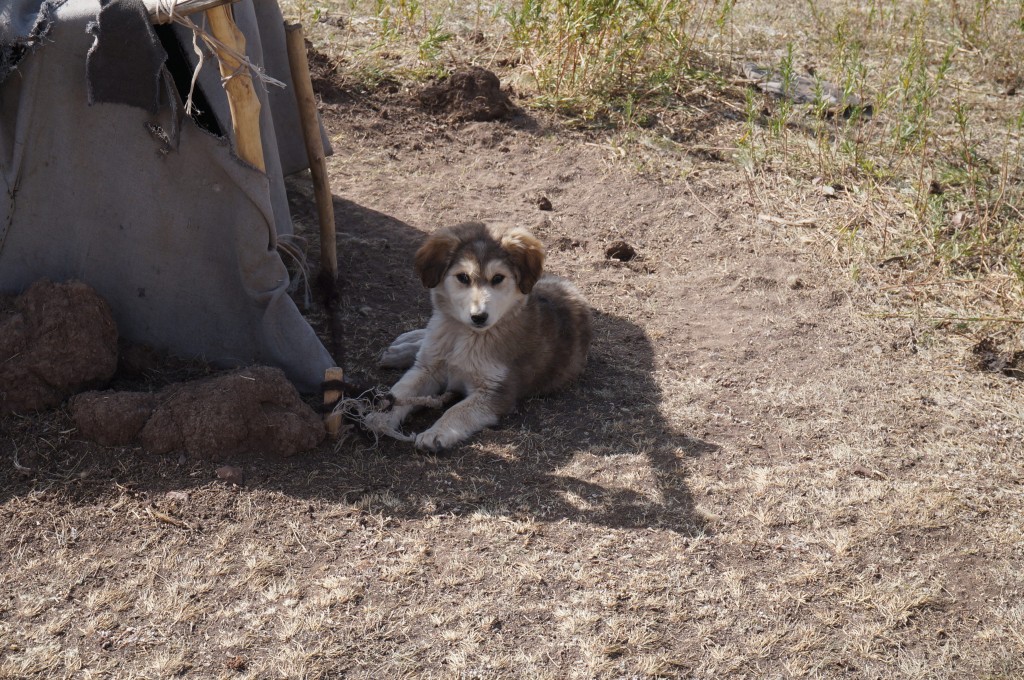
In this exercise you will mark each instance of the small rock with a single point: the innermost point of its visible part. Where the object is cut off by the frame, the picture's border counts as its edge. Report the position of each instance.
(621, 251)
(544, 203)
(231, 474)
(959, 220)
(177, 496)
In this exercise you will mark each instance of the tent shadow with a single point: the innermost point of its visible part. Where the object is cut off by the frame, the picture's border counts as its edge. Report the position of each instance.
(599, 452)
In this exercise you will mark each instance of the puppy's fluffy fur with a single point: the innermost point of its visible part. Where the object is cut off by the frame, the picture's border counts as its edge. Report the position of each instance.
(500, 330)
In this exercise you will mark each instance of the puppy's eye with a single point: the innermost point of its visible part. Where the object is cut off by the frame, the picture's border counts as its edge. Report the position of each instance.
(498, 278)
(463, 278)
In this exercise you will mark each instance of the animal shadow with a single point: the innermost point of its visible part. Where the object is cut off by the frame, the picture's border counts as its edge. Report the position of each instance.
(599, 451)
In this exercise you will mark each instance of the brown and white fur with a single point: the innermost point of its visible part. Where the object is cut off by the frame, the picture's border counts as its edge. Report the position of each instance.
(499, 332)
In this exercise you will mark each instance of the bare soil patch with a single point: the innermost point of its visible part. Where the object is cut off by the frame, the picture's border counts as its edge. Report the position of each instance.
(754, 478)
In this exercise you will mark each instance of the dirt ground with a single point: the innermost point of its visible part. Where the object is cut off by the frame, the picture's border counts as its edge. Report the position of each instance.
(754, 478)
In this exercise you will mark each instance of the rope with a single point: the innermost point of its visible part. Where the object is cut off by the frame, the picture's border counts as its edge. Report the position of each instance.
(168, 8)
(362, 410)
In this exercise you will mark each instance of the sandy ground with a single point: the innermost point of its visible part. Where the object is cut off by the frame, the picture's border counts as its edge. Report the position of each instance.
(754, 478)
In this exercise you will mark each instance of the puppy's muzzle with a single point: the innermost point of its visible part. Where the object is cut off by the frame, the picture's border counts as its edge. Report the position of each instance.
(479, 320)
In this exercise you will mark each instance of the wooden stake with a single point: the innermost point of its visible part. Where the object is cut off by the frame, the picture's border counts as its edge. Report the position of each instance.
(242, 99)
(314, 148)
(332, 421)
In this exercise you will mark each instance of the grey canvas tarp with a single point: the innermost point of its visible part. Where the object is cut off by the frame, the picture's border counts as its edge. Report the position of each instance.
(156, 214)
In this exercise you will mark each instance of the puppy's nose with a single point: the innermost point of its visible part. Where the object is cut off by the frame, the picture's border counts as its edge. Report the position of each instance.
(479, 319)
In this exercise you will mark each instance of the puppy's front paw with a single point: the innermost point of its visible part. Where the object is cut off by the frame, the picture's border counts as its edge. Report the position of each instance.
(436, 441)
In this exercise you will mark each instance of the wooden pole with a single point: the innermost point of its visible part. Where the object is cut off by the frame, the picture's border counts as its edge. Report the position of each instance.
(242, 99)
(314, 149)
(333, 421)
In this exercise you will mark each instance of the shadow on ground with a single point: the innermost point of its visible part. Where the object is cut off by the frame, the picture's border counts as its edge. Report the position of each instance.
(600, 452)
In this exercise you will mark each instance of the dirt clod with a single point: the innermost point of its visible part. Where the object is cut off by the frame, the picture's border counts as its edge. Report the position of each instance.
(544, 203)
(468, 94)
(621, 251)
(249, 411)
(322, 73)
(253, 410)
(231, 474)
(112, 418)
(57, 339)
(986, 355)
(237, 663)
(564, 243)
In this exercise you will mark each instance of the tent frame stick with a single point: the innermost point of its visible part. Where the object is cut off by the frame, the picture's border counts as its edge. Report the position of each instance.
(242, 99)
(306, 101)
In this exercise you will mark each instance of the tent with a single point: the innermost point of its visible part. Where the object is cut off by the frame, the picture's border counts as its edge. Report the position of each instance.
(104, 178)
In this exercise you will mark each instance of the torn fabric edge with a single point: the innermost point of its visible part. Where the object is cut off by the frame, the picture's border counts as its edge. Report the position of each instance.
(17, 47)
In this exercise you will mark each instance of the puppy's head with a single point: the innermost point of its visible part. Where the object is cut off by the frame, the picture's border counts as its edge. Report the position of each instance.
(479, 273)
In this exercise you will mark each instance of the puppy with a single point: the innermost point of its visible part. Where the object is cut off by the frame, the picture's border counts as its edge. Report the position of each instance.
(499, 331)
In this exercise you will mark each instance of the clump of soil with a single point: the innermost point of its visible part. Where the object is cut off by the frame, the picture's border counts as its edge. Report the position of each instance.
(472, 93)
(55, 339)
(112, 418)
(323, 74)
(232, 474)
(986, 355)
(621, 251)
(249, 411)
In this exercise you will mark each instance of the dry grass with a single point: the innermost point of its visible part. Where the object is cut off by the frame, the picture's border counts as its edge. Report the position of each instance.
(781, 462)
(929, 184)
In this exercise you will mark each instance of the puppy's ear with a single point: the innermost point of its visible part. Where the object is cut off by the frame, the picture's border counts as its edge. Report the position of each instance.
(435, 256)
(526, 254)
